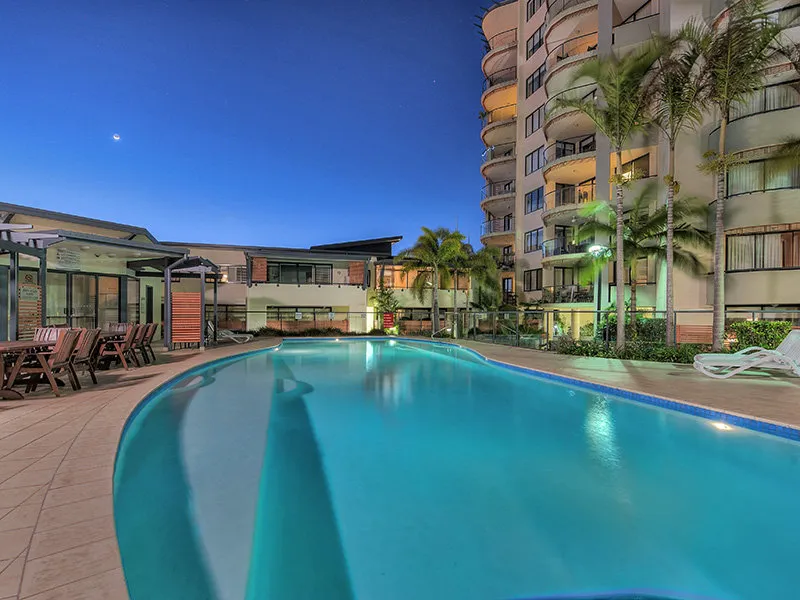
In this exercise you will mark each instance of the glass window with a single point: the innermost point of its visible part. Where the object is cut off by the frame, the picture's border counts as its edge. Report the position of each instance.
(763, 251)
(534, 161)
(532, 280)
(533, 240)
(637, 168)
(535, 80)
(108, 300)
(132, 300)
(534, 200)
(563, 276)
(534, 120)
(273, 273)
(532, 7)
(534, 42)
(323, 274)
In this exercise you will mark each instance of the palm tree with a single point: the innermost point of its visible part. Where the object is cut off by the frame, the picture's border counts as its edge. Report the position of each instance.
(676, 106)
(734, 55)
(430, 257)
(484, 273)
(645, 235)
(622, 82)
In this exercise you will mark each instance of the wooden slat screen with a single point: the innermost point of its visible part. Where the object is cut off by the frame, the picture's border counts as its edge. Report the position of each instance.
(356, 273)
(258, 269)
(186, 315)
(29, 310)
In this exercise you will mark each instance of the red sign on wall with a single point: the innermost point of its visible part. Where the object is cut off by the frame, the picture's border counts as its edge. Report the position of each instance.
(388, 320)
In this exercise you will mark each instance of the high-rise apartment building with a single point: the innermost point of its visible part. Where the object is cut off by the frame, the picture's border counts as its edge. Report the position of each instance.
(542, 164)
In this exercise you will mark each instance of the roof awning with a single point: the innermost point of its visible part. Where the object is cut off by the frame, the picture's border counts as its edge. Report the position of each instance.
(19, 238)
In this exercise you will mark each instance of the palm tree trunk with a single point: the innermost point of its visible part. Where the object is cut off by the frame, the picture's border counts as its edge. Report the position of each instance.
(620, 271)
(633, 296)
(719, 240)
(670, 304)
(455, 304)
(435, 325)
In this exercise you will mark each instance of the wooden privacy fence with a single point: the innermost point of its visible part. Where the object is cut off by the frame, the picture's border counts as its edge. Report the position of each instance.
(187, 324)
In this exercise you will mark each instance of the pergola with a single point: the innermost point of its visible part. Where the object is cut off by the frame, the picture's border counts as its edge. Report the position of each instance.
(16, 239)
(189, 265)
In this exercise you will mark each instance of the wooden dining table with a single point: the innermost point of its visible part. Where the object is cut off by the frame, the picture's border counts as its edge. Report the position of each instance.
(16, 353)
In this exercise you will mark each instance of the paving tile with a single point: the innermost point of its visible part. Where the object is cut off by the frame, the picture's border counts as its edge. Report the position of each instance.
(73, 565)
(74, 512)
(28, 478)
(9, 468)
(13, 542)
(83, 450)
(105, 586)
(82, 476)
(73, 493)
(70, 536)
(22, 516)
(88, 462)
(10, 577)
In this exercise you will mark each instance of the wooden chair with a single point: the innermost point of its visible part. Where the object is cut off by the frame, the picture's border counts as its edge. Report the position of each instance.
(136, 345)
(47, 334)
(84, 354)
(48, 363)
(121, 350)
(147, 342)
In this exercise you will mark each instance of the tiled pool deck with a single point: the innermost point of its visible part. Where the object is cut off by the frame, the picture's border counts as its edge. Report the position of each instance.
(57, 536)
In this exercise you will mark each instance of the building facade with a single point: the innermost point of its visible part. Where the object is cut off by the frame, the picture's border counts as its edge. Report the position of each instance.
(543, 164)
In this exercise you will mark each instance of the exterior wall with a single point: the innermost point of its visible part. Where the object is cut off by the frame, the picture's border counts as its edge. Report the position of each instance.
(763, 288)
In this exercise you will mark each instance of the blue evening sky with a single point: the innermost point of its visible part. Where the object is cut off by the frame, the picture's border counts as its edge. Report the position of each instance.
(255, 122)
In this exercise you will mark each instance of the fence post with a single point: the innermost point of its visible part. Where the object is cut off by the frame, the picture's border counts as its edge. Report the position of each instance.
(494, 326)
(517, 313)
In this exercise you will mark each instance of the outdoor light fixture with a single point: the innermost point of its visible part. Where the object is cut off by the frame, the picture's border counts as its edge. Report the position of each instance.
(721, 426)
(598, 250)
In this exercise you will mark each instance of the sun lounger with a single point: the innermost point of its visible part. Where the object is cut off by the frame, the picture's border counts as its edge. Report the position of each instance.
(227, 334)
(786, 357)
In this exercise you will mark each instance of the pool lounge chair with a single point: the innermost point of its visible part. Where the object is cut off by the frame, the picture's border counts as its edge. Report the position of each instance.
(786, 357)
(227, 334)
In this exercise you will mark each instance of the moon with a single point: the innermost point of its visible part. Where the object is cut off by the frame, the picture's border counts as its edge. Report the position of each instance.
(115, 137)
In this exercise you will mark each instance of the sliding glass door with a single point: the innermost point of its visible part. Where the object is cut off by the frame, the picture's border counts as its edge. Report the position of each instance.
(83, 301)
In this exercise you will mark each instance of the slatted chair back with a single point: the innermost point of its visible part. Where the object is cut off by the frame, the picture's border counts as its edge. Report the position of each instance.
(141, 332)
(130, 336)
(150, 334)
(117, 327)
(47, 334)
(86, 344)
(65, 346)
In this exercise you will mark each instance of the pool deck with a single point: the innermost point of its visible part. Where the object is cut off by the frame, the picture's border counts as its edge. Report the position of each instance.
(57, 537)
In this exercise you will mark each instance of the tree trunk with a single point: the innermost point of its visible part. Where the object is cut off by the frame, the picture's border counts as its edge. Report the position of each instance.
(435, 316)
(670, 304)
(620, 271)
(455, 304)
(633, 296)
(719, 240)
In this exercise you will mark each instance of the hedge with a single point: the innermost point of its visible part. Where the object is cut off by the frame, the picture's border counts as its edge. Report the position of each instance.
(683, 353)
(766, 334)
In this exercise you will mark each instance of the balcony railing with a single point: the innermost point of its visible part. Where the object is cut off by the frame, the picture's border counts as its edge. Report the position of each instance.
(504, 151)
(648, 9)
(561, 246)
(509, 298)
(769, 98)
(506, 262)
(501, 76)
(555, 7)
(570, 147)
(497, 226)
(504, 38)
(572, 195)
(584, 91)
(499, 188)
(504, 113)
(568, 293)
(572, 47)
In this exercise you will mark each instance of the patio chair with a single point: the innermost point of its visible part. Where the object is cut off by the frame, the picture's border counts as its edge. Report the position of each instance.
(84, 354)
(46, 364)
(136, 345)
(47, 334)
(227, 334)
(786, 357)
(147, 342)
(121, 350)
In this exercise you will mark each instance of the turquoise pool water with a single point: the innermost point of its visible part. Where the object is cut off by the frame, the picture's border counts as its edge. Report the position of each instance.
(396, 470)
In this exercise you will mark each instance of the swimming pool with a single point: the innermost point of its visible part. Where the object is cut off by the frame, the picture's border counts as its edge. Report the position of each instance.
(382, 469)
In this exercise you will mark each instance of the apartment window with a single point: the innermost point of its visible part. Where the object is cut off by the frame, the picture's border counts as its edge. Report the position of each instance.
(763, 251)
(563, 276)
(534, 161)
(535, 80)
(534, 200)
(533, 240)
(534, 42)
(532, 7)
(534, 120)
(762, 175)
(323, 274)
(532, 280)
(299, 273)
(637, 168)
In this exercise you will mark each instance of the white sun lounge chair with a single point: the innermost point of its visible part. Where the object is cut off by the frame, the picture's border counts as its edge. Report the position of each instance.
(227, 334)
(786, 357)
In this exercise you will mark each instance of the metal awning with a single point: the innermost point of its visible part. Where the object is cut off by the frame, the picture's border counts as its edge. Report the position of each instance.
(20, 239)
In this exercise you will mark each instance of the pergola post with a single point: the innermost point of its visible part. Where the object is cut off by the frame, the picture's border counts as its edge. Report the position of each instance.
(13, 295)
(202, 307)
(43, 286)
(123, 299)
(168, 308)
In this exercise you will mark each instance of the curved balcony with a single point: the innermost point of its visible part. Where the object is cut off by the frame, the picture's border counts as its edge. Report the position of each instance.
(499, 230)
(499, 192)
(568, 54)
(499, 162)
(499, 48)
(570, 161)
(568, 294)
(558, 10)
(562, 205)
(499, 125)
(500, 89)
(560, 122)
(563, 251)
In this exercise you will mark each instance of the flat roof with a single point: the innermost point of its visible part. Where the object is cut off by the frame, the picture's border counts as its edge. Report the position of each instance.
(328, 251)
(91, 238)
(18, 209)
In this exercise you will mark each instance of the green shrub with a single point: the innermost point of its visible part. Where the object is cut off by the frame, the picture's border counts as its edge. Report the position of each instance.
(766, 334)
(683, 353)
